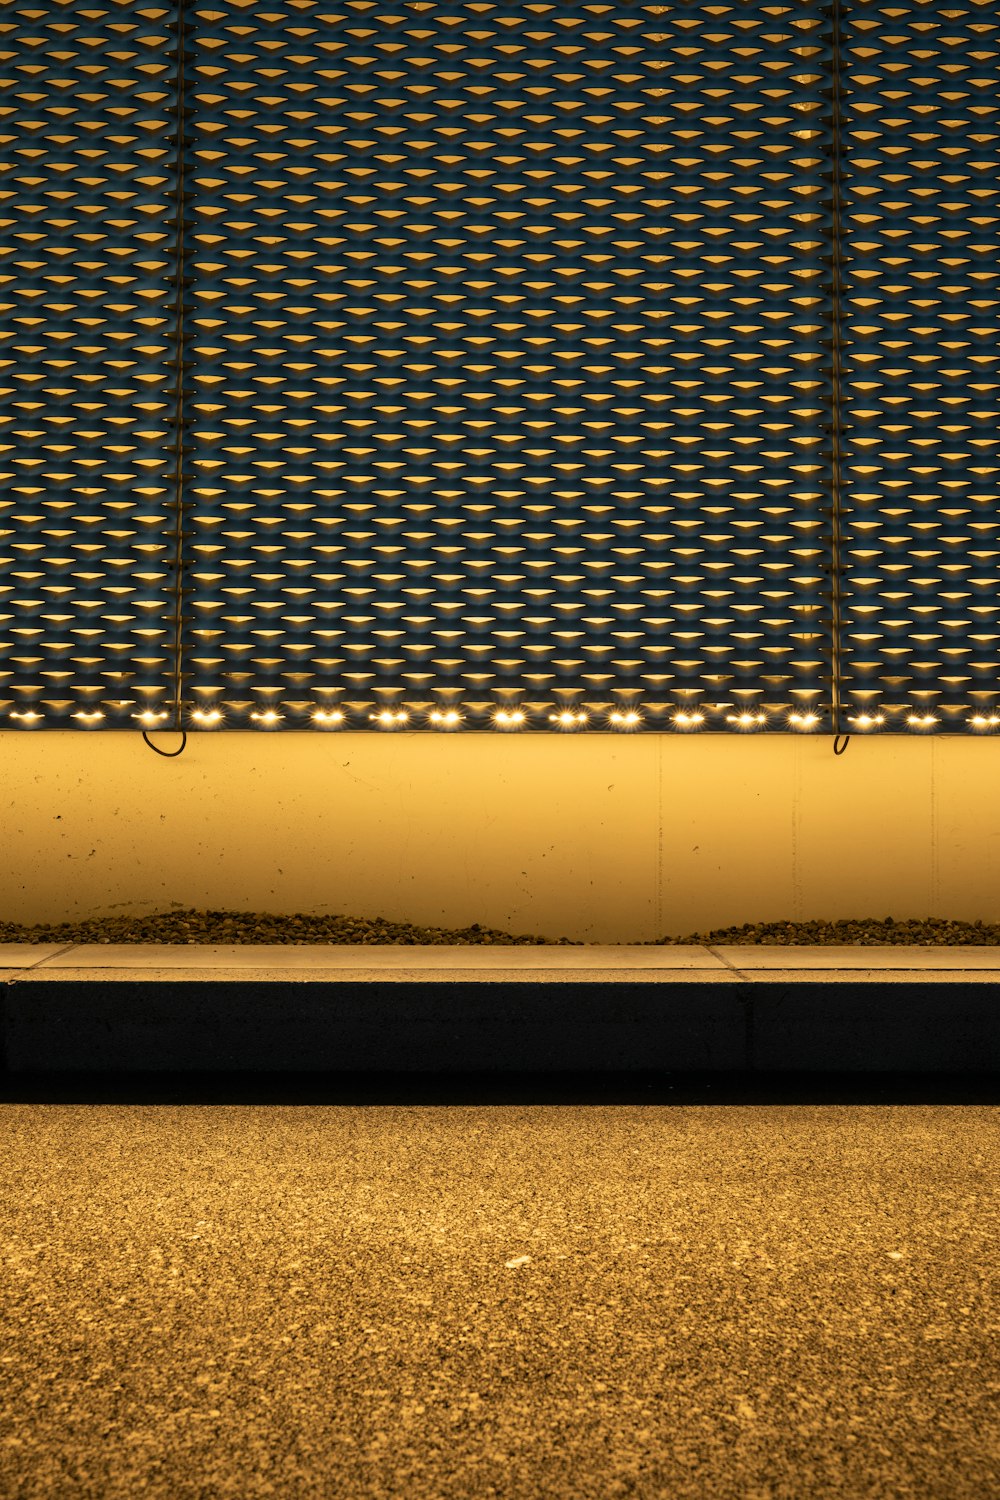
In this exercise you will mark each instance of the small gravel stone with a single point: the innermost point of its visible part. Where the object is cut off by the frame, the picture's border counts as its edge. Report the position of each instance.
(194, 926)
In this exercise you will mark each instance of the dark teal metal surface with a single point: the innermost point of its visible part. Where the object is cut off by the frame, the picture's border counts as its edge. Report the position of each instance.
(399, 359)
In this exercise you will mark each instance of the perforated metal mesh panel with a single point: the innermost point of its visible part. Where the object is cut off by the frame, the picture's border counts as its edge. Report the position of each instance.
(921, 386)
(524, 369)
(88, 118)
(505, 351)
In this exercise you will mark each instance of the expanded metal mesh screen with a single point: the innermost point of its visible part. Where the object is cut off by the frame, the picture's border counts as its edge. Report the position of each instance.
(88, 340)
(600, 365)
(921, 379)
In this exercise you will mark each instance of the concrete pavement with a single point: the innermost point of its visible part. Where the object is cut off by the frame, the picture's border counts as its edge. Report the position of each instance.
(526, 1303)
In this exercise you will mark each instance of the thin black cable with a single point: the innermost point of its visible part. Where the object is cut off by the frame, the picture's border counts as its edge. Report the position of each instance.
(835, 382)
(180, 217)
(168, 753)
(179, 368)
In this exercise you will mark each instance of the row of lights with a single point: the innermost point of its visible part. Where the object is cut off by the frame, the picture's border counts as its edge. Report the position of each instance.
(514, 718)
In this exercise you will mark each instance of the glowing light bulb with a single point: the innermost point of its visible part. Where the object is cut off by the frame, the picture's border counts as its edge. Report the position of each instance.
(917, 719)
(269, 716)
(149, 717)
(89, 718)
(509, 718)
(688, 718)
(387, 718)
(207, 715)
(804, 720)
(625, 719)
(29, 716)
(328, 716)
(982, 722)
(866, 721)
(567, 719)
(449, 716)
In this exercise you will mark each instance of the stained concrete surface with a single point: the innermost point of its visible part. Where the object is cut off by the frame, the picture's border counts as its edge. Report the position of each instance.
(22, 960)
(737, 1303)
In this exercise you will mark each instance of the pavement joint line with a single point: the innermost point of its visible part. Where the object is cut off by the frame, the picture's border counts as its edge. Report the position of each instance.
(740, 973)
(39, 963)
(49, 958)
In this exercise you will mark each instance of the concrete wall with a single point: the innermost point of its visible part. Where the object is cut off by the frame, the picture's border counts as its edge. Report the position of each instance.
(608, 838)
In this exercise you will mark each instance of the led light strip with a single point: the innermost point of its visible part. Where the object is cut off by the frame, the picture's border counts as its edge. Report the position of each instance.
(507, 719)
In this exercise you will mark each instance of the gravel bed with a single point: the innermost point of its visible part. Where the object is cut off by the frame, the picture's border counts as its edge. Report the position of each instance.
(265, 927)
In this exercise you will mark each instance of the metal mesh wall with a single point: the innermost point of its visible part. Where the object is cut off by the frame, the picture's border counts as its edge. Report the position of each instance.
(525, 371)
(921, 382)
(505, 352)
(88, 122)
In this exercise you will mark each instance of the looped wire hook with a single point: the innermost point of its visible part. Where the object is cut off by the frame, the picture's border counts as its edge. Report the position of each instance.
(847, 741)
(168, 753)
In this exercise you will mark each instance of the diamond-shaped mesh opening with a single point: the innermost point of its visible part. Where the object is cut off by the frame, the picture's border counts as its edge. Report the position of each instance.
(498, 365)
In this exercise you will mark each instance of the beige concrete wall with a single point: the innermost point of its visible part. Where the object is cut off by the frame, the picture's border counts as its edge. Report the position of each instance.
(604, 838)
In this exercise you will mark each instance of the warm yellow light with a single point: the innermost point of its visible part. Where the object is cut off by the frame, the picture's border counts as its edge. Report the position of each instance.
(512, 718)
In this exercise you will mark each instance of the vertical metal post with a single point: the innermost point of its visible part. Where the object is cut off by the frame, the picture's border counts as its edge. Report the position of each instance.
(835, 384)
(179, 369)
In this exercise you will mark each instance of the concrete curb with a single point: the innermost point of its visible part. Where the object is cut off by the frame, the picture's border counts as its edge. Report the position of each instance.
(843, 1025)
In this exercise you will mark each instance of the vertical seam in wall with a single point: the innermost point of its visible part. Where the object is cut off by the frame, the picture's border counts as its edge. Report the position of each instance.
(179, 413)
(796, 792)
(659, 838)
(934, 844)
(836, 315)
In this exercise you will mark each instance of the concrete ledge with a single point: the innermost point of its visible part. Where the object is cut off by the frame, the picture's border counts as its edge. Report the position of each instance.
(435, 1009)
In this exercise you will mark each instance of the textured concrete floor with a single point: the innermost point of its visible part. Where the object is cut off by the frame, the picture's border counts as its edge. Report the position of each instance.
(755, 1302)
